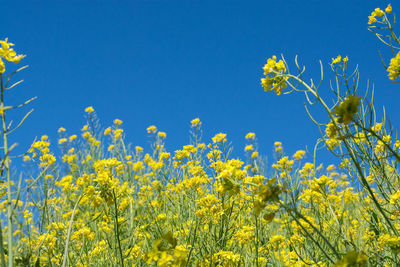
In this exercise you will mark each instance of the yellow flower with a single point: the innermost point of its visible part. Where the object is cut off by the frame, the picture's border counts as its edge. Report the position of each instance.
(248, 148)
(195, 122)
(17, 59)
(61, 130)
(254, 154)
(273, 76)
(8, 53)
(107, 131)
(272, 65)
(164, 155)
(250, 136)
(281, 66)
(394, 67)
(47, 160)
(5, 45)
(397, 144)
(245, 235)
(377, 127)
(72, 138)
(227, 258)
(395, 197)
(267, 84)
(62, 141)
(162, 134)
(151, 129)
(117, 122)
(89, 109)
(138, 166)
(337, 59)
(299, 154)
(389, 9)
(219, 138)
(345, 59)
(371, 20)
(2, 66)
(377, 12)
(118, 133)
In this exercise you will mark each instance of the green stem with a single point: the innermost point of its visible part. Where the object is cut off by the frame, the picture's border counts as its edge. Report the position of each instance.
(117, 229)
(7, 167)
(65, 259)
(3, 260)
(256, 239)
(353, 158)
(310, 236)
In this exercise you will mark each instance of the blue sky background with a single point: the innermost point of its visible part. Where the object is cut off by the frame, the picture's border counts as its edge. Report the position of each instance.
(167, 62)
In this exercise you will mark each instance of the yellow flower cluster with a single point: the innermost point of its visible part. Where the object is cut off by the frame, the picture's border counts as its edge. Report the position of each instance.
(195, 122)
(226, 258)
(379, 13)
(250, 136)
(338, 59)
(174, 211)
(376, 13)
(219, 138)
(152, 129)
(299, 155)
(41, 149)
(332, 132)
(8, 53)
(274, 78)
(394, 67)
(107, 203)
(89, 110)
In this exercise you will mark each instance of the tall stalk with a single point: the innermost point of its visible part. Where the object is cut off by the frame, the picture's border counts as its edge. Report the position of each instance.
(7, 169)
(117, 229)
(9, 55)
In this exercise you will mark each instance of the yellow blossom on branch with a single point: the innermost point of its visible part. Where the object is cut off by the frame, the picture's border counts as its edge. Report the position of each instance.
(151, 129)
(89, 109)
(195, 122)
(378, 12)
(162, 135)
(117, 122)
(394, 67)
(337, 59)
(250, 136)
(8, 54)
(371, 20)
(219, 138)
(388, 9)
(274, 79)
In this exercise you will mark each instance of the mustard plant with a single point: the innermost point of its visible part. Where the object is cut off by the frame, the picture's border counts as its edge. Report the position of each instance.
(8, 55)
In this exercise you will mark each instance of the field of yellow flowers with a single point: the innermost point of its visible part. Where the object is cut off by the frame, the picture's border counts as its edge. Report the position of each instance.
(105, 203)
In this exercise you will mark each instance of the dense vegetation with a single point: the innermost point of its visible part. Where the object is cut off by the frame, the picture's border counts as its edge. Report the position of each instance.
(105, 203)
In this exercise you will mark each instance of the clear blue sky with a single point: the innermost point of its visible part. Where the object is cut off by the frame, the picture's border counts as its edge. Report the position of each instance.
(167, 62)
